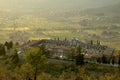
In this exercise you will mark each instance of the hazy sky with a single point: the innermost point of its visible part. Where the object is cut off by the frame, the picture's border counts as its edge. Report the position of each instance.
(60, 4)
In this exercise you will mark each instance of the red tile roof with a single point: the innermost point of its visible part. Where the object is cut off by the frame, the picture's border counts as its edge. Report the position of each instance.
(61, 47)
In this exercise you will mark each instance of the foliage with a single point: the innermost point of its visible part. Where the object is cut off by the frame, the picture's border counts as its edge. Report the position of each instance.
(35, 57)
(14, 59)
(9, 45)
(113, 60)
(17, 43)
(79, 57)
(119, 59)
(71, 54)
(26, 71)
(104, 59)
(37, 67)
(2, 50)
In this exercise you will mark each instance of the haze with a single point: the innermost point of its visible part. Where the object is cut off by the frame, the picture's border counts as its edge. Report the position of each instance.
(25, 5)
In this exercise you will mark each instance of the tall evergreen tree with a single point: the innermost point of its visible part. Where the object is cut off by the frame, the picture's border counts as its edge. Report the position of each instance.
(17, 44)
(98, 42)
(2, 49)
(119, 59)
(91, 42)
(14, 58)
(7, 45)
(71, 54)
(11, 44)
(79, 57)
(113, 60)
(104, 59)
(99, 59)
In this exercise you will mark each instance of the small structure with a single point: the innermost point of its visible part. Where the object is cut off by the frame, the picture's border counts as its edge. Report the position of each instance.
(59, 52)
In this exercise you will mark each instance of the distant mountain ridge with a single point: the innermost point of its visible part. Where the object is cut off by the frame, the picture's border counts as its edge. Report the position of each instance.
(53, 4)
(110, 9)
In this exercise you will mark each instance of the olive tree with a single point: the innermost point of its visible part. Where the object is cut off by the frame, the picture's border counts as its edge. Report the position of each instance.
(36, 58)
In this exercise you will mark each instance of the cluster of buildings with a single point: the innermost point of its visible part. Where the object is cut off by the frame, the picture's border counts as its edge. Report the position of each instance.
(61, 48)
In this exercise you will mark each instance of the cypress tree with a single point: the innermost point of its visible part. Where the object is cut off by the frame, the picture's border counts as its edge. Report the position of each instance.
(91, 42)
(11, 44)
(14, 58)
(113, 60)
(119, 59)
(7, 45)
(2, 50)
(79, 57)
(104, 59)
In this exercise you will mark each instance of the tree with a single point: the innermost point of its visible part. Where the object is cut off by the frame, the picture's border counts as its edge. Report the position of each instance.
(7, 45)
(26, 71)
(99, 59)
(104, 59)
(4, 74)
(91, 42)
(36, 58)
(44, 51)
(79, 57)
(71, 55)
(2, 50)
(14, 59)
(11, 44)
(113, 60)
(98, 42)
(17, 44)
(119, 59)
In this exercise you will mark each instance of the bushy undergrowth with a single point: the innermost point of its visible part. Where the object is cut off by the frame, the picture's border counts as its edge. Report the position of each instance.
(63, 72)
